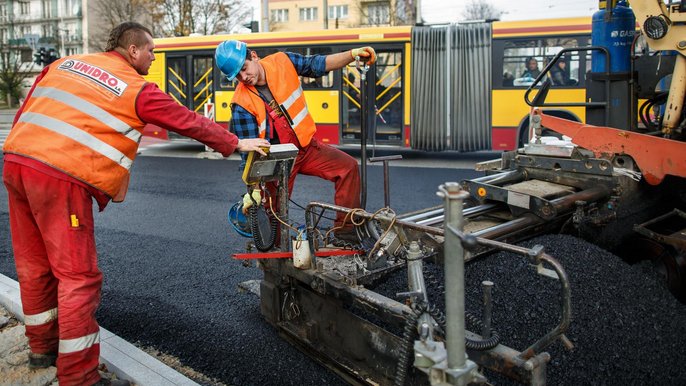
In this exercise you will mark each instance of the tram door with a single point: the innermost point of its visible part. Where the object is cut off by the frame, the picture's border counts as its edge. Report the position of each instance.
(190, 80)
(388, 79)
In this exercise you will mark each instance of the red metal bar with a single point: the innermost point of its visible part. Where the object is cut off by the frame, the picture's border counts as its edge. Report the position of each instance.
(655, 156)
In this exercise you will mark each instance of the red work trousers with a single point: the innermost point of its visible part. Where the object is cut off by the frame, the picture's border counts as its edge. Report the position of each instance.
(324, 161)
(51, 221)
(320, 160)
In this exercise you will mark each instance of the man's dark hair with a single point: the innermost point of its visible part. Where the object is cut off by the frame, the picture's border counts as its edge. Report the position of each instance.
(126, 34)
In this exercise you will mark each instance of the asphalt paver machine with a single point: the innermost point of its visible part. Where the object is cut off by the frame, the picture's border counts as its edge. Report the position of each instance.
(614, 181)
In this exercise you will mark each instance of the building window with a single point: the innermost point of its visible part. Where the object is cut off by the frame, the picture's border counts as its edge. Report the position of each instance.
(24, 7)
(378, 13)
(308, 14)
(47, 8)
(72, 7)
(25, 30)
(338, 12)
(280, 15)
(3, 35)
(3, 12)
(71, 32)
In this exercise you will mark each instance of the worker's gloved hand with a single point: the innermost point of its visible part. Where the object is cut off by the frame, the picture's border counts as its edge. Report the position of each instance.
(250, 199)
(366, 54)
(256, 144)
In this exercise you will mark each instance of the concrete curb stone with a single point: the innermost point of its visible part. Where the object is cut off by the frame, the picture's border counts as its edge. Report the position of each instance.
(121, 357)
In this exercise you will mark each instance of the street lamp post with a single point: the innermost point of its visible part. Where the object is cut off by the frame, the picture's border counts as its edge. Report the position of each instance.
(62, 31)
(265, 16)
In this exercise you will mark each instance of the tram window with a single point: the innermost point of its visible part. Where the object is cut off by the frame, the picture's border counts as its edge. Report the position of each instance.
(523, 61)
(325, 81)
(224, 83)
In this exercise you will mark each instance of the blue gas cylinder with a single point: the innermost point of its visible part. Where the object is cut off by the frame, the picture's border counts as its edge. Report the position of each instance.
(616, 33)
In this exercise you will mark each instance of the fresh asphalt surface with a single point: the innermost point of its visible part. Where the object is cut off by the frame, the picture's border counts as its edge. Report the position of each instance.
(170, 282)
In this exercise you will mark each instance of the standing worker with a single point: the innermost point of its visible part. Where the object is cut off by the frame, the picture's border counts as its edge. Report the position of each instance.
(74, 139)
(269, 103)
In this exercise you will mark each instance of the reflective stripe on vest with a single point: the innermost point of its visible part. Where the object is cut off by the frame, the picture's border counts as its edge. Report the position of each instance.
(77, 135)
(42, 318)
(88, 108)
(67, 346)
(298, 118)
(293, 97)
(263, 127)
(81, 119)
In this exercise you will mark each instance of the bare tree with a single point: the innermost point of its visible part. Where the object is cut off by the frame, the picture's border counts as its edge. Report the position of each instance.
(111, 13)
(481, 10)
(183, 17)
(404, 12)
(275, 24)
(220, 16)
(174, 17)
(13, 73)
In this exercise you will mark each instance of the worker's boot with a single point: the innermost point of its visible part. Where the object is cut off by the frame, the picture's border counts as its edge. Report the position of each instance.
(112, 382)
(42, 361)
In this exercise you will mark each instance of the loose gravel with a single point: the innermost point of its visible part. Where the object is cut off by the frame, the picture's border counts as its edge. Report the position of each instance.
(626, 327)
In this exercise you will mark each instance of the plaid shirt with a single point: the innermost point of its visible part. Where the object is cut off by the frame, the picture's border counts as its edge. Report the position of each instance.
(245, 124)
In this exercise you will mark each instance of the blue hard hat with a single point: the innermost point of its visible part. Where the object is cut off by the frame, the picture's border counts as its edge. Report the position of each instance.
(238, 221)
(230, 57)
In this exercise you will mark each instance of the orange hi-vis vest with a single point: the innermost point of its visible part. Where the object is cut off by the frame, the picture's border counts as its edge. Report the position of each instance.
(284, 85)
(81, 119)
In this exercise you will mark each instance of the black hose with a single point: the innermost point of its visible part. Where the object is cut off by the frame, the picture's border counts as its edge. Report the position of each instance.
(410, 332)
(647, 106)
(406, 347)
(482, 344)
(475, 323)
(641, 114)
(256, 233)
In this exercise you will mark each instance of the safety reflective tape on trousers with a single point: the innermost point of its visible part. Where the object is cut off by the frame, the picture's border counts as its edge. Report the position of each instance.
(77, 135)
(42, 318)
(75, 345)
(88, 108)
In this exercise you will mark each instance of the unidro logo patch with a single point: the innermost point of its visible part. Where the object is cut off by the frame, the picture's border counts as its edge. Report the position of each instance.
(101, 77)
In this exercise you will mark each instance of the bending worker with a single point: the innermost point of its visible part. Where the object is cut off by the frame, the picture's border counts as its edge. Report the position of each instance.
(74, 139)
(269, 103)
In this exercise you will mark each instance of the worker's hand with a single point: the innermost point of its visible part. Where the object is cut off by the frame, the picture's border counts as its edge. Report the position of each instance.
(250, 199)
(366, 54)
(250, 144)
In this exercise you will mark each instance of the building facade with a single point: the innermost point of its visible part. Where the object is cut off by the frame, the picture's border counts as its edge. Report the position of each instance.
(307, 15)
(60, 27)
(26, 26)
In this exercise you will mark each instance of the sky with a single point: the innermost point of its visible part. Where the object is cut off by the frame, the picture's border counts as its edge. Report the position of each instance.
(448, 11)
(442, 11)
